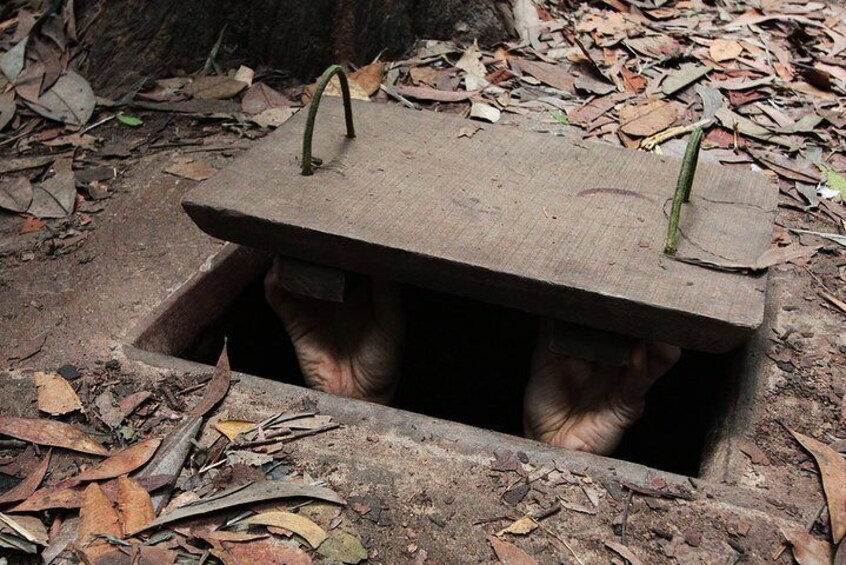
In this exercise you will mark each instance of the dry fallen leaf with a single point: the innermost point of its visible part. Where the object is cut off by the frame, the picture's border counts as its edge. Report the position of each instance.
(56, 196)
(214, 88)
(833, 471)
(232, 428)
(647, 118)
(217, 387)
(808, 550)
(29, 485)
(128, 404)
(510, 554)
(96, 516)
(264, 491)
(344, 547)
(357, 92)
(122, 462)
(553, 75)
(521, 527)
(55, 395)
(273, 117)
(268, 551)
(369, 77)
(70, 100)
(434, 95)
(134, 505)
(485, 112)
(624, 552)
(297, 523)
(68, 497)
(725, 50)
(193, 170)
(261, 97)
(15, 194)
(48, 432)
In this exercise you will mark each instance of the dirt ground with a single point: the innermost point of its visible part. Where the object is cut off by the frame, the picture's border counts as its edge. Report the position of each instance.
(418, 490)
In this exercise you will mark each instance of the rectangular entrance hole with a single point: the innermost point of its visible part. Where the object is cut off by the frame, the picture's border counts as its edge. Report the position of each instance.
(464, 361)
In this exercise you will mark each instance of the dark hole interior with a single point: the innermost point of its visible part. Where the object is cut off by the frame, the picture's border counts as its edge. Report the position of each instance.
(468, 362)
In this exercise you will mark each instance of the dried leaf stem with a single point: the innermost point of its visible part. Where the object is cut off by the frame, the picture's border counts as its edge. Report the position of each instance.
(322, 83)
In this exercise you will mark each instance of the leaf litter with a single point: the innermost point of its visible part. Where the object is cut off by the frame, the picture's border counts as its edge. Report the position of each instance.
(594, 62)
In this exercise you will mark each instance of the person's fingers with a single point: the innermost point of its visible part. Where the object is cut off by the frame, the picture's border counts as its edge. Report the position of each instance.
(661, 358)
(648, 363)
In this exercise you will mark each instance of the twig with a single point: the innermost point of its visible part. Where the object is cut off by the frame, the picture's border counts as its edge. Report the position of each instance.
(210, 61)
(398, 97)
(289, 437)
(652, 142)
(98, 124)
(683, 186)
(567, 545)
(626, 517)
(11, 443)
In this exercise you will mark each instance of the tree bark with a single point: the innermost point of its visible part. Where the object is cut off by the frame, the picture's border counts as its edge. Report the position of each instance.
(133, 39)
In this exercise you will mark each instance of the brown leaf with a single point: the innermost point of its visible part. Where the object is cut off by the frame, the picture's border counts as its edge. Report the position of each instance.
(624, 552)
(97, 515)
(68, 494)
(427, 76)
(510, 554)
(214, 88)
(7, 109)
(647, 118)
(261, 97)
(32, 224)
(15, 194)
(725, 50)
(29, 485)
(134, 505)
(56, 196)
(70, 101)
(808, 550)
(683, 77)
(833, 471)
(267, 551)
(55, 395)
(426, 93)
(48, 432)
(521, 527)
(553, 75)
(193, 170)
(153, 555)
(128, 404)
(369, 77)
(217, 387)
(122, 462)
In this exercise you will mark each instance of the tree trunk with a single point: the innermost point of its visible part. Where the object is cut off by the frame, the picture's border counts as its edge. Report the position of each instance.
(132, 39)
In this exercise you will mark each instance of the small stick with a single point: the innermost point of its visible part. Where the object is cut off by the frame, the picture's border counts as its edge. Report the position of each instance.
(625, 519)
(683, 186)
(322, 83)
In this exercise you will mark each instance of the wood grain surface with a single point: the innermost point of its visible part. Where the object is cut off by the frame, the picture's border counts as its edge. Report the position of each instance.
(573, 231)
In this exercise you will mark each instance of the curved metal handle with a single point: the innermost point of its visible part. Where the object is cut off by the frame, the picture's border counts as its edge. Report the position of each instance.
(683, 186)
(308, 166)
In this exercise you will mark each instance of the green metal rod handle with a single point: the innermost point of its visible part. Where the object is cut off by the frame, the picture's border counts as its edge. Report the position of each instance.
(322, 83)
(683, 186)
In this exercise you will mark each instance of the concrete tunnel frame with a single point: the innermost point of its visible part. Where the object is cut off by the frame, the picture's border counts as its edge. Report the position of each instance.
(170, 328)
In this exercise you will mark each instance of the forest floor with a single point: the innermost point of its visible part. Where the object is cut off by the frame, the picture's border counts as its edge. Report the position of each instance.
(92, 238)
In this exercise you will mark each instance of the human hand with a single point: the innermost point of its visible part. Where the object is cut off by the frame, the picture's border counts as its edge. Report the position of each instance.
(587, 406)
(351, 348)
